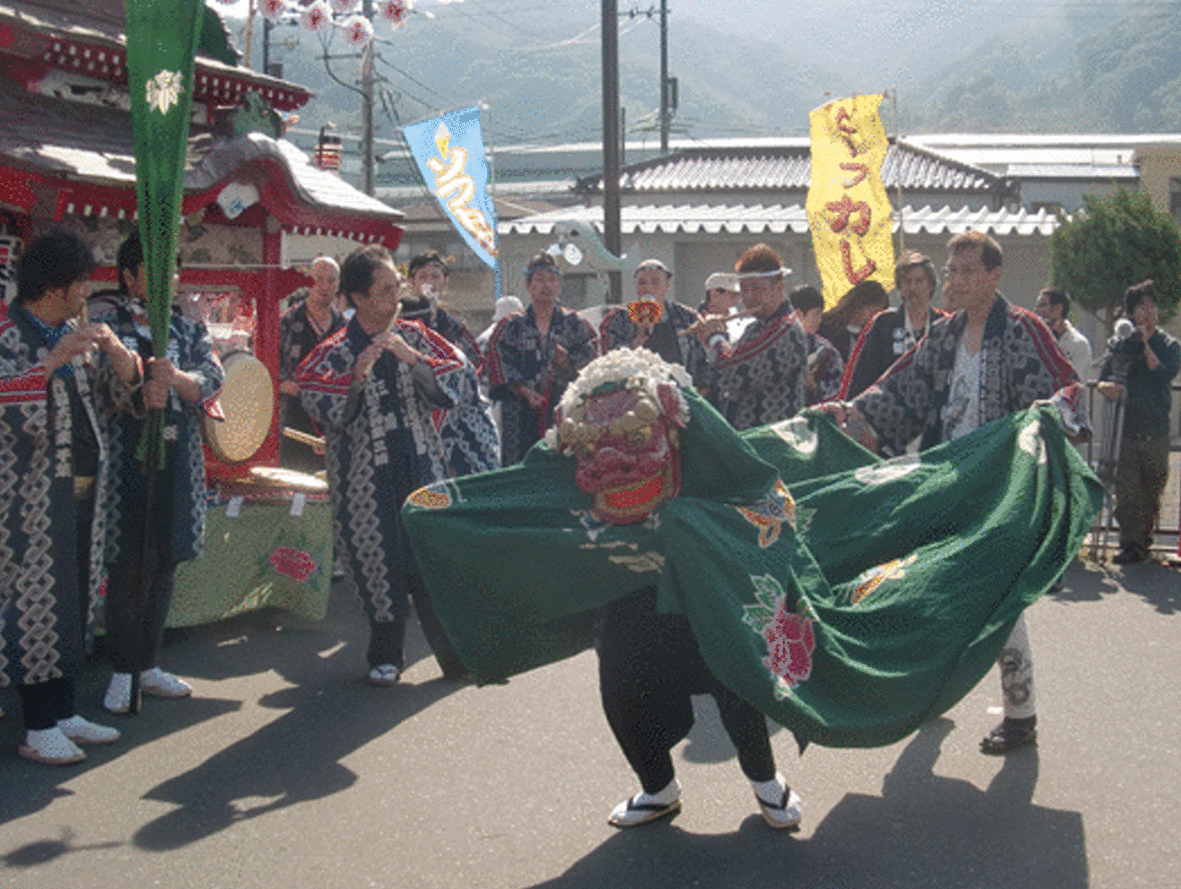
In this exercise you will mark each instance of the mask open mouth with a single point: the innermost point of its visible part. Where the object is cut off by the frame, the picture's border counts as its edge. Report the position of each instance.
(633, 502)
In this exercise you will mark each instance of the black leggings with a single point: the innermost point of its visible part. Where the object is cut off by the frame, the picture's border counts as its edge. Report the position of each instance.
(649, 666)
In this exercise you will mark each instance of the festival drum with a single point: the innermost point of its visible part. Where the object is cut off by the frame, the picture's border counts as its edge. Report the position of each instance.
(248, 401)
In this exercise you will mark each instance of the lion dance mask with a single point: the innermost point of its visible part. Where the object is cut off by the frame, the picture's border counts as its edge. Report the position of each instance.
(619, 420)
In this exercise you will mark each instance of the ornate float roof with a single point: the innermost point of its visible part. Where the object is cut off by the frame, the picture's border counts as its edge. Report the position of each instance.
(60, 158)
(86, 37)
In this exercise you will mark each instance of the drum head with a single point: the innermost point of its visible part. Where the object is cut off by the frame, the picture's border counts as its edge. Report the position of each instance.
(248, 401)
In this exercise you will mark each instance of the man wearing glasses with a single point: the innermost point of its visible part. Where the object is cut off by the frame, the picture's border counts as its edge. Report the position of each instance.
(988, 360)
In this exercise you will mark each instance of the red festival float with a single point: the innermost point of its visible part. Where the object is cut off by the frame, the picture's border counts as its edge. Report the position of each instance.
(67, 161)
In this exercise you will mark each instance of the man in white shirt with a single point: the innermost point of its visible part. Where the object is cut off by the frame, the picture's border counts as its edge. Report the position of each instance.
(988, 360)
(1053, 307)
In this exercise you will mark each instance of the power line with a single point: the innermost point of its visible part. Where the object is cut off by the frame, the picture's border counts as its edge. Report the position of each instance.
(412, 79)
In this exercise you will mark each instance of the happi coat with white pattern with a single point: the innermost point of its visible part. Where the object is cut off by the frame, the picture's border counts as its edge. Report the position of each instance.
(381, 442)
(41, 624)
(764, 376)
(1021, 364)
(190, 349)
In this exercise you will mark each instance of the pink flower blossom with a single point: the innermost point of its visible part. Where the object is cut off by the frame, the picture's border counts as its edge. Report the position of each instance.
(357, 31)
(317, 17)
(272, 10)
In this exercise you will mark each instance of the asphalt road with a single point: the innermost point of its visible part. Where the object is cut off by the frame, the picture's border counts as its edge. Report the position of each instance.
(286, 769)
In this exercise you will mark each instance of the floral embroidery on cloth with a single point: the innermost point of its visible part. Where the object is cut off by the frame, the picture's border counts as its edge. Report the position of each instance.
(433, 496)
(887, 471)
(293, 563)
(788, 634)
(799, 434)
(641, 562)
(871, 579)
(769, 514)
(163, 91)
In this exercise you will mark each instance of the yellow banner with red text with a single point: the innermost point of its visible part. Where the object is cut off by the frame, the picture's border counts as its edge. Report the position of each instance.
(849, 211)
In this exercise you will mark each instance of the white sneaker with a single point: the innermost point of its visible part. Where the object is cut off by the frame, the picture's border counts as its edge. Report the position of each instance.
(159, 684)
(118, 696)
(645, 807)
(383, 674)
(50, 747)
(83, 731)
(785, 810)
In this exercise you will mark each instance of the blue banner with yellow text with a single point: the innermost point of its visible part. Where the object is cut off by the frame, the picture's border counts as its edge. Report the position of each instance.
(450, 155)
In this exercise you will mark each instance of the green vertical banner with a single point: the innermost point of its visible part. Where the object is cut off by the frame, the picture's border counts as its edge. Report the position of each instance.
(162, 40)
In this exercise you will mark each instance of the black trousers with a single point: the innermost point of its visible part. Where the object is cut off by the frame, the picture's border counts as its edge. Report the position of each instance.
(387, 639)
(649, 666)
(44, 703)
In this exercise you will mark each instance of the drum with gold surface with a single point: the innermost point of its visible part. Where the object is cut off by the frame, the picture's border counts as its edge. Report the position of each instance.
(248, 401)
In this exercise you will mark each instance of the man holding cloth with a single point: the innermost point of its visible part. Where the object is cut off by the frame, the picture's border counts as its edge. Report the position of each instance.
(988, 360)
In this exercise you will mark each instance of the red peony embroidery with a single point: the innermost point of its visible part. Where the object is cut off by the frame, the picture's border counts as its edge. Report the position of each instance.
(293, 563)
(787, 634)
(790, 644)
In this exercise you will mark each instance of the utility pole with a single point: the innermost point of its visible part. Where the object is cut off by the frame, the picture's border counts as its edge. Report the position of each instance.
(664, 109)
(367, 162)
(611, 166)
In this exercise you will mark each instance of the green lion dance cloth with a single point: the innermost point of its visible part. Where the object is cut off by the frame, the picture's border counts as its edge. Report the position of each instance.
(848, 598)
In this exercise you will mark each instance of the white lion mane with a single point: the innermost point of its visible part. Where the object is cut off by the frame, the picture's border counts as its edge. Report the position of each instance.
(643, 372)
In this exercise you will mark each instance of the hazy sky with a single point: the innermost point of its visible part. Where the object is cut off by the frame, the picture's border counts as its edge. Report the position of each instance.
(833, 34)
(883, 45)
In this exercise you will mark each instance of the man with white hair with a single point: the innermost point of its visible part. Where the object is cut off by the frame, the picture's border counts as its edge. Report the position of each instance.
(303, 327)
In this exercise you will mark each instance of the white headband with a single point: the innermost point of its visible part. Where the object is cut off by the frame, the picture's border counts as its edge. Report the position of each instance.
(781, 272)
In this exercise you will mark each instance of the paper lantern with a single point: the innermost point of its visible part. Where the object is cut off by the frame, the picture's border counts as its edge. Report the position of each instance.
(358, 31)
(272, 10)
(317, 17)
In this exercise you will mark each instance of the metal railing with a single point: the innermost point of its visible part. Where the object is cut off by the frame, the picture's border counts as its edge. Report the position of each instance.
(1100, 450)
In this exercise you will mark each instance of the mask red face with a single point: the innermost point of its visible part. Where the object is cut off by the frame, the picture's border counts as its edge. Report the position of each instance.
(627, 453)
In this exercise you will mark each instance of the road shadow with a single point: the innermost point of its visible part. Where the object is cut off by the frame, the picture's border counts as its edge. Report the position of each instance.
(29, 788)
(331, 712)
(1084, 582)
(1157, 584)
(294, 759)
(923, 832)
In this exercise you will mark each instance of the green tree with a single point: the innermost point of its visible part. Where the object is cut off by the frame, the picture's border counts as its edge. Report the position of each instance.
(1112, 243)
